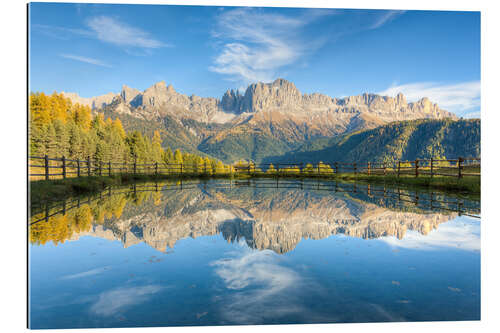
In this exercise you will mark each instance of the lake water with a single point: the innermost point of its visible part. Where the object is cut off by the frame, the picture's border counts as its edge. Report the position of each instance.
(256, 252)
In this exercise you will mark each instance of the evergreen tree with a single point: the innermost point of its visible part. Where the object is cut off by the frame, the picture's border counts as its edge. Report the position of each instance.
(178, 157)
(59, 128)
(157, 149)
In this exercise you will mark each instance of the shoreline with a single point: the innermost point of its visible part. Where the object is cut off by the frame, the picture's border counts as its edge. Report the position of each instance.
(45, 190)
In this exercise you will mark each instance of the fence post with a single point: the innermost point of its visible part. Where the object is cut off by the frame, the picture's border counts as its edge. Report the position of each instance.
(64, 167)
(369, 168)
(46, 167)
(124, 167)
(277, 169)
(319, 171)
(416, 168)
(78, 167)
(109, 168)
(89, 166)
(385, 170)
(399, 167)
(460, 160)
(100, 168)
(156, 168)
(336, 168)
(355, 168)
(181, 168)
(135, 166)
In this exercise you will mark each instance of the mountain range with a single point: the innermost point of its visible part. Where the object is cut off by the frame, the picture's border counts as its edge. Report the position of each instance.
(268, 119)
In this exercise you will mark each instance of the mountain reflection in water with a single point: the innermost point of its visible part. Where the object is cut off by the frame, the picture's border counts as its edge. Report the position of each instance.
(253, 252)
(266, 214)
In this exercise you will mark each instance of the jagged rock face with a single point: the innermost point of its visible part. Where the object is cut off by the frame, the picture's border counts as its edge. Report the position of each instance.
(131, 96)
(261, 96)
(275, 115)
(231, 101)
(278, 222)
(279, 96)
(93, 102)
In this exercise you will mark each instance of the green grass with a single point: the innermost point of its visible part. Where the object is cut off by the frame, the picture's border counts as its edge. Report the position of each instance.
(59, 189)
(470, 186)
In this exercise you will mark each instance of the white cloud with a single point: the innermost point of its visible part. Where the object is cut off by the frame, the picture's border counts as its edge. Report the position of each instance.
(262, 290)
(112, 31)
(91, 272)
(461, 233)
(60, 32)
(108, 30)
(464, 99)
(110, 302)
(85, 59)
(257, 44)
(256, 267)
(386, 16)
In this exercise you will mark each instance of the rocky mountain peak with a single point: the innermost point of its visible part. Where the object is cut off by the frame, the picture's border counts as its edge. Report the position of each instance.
(279, 99)
(231, 101)
(260, 96)
(401, 99)
(170, 89)
(128, 94)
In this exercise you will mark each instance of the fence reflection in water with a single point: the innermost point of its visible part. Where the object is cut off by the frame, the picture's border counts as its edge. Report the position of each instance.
(389, 197)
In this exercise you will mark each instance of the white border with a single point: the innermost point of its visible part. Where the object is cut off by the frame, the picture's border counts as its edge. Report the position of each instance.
(13, 131)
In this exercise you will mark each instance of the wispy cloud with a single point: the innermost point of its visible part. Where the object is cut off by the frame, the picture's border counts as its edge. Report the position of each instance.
(110, 302)
(464, 99)
(259, 289)
(256, 44)
(85, 59)
(91, 272)
(459, 234)
(62, 33)
(110, 30)
(259, 281)
(384, 17)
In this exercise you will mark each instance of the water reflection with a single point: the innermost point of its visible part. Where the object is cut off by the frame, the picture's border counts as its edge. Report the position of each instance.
(253, 252)
(267, 215)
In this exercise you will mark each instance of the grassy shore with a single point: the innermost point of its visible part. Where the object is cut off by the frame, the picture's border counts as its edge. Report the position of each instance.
(44, 190)
(470, 186)
(58, 189)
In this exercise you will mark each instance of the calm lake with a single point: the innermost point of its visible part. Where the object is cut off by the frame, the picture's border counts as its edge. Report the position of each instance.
(253, 252)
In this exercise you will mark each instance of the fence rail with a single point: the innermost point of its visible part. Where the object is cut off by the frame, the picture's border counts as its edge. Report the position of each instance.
(43, 167)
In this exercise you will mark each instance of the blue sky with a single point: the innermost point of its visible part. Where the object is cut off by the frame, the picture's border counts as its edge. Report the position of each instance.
(93, 49)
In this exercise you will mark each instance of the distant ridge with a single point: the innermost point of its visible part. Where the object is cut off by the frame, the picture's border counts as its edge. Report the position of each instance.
(280, 95)
(269, 119)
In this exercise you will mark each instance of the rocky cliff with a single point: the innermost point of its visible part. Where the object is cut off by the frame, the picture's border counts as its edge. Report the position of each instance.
(279, 96)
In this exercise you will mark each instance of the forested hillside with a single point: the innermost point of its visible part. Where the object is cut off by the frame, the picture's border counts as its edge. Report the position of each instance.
(405, 140)
(59, 128)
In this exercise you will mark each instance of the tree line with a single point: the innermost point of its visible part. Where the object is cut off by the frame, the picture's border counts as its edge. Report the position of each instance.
(57, 128)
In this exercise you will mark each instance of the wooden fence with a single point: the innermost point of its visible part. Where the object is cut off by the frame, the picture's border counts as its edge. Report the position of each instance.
(61, 168)
(392, 197)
